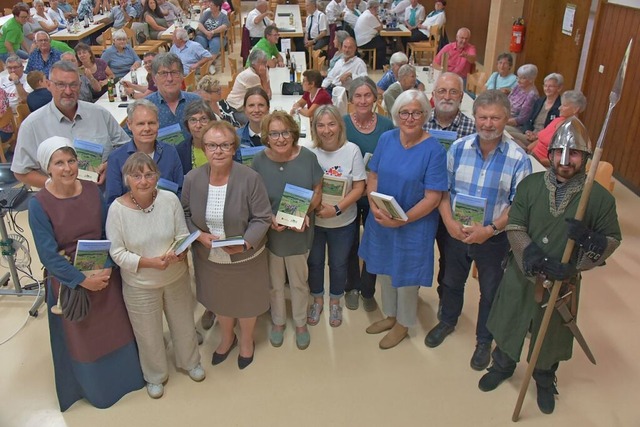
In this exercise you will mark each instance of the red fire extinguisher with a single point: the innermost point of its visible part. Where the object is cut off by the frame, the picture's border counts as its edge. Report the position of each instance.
(517, 36)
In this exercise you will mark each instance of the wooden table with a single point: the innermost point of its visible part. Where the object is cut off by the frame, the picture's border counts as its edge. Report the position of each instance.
(99, 22)
(120, 113)
(402, 31)
(168, 33)
(281, 19)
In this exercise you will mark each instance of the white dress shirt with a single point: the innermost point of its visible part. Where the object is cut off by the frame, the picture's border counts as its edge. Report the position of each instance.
(318, 24)
(256, 30)
(356, 65)
(333, 11)
(365, 29)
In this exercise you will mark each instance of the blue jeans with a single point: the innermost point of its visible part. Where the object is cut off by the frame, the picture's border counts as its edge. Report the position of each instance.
(338, 241)
(362, 281)
(459, 256)
(21, 53)
(212, 45)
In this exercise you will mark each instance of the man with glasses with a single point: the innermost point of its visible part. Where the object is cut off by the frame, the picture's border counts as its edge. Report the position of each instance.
(139, 91)
(348, 67)
(142, 120)
(171, 100)
(88, 83)
(269, 44)
(192, 54)
(43, 56)
(15, 81)
(12, 34)
(64, 116)
(484, 170)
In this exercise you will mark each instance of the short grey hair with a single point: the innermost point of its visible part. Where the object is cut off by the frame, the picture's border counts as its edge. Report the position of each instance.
(181, 34)
(38, 2)
(575, 98)
(506, 56)
(165, 59)
(406, 70)
(65, 66)
(341, 35)
(398, 58)
(141, 103)
(119, 35)
(528, 71)
(407, 97)
(362, 81)
(257, 56)
(452, 75)
(42, 32)
(555, 76)
(13, 58)
(372, 4)
(492, 97)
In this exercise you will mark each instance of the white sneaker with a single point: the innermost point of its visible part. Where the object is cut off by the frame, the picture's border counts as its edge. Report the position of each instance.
(155, 391)
(197, 374)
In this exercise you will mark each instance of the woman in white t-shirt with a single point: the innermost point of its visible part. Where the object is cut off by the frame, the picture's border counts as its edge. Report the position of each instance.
(335, 226)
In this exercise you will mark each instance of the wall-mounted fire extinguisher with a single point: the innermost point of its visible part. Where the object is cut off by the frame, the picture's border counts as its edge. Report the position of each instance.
(517, 36)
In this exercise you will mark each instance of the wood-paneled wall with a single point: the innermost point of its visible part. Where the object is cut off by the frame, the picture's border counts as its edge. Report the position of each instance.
(473, 14)
(615, 25)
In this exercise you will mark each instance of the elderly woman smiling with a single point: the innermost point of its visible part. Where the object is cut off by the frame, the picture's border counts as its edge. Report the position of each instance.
(417, 186)
(120, 57)
(197, 116)
(503, 79)
(524, 95)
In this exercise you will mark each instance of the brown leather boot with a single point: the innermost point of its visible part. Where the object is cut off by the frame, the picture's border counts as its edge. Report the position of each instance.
(381, 325)
(394, 336)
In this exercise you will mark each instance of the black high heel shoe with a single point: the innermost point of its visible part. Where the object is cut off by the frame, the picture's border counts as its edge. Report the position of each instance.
(221, 357)
(243, 362)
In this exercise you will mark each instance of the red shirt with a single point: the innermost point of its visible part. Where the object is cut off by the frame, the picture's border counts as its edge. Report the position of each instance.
(322, 98)
(457, 64)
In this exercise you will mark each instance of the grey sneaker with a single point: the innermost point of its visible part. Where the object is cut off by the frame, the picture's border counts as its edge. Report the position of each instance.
(197, 374)
(369, 304)
(352, 300)
(155, 391)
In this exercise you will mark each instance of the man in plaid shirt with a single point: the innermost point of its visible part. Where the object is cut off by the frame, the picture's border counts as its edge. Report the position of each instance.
(447, 97)
(488, 167)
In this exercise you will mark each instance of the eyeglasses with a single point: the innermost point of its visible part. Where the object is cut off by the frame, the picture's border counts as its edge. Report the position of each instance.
(149, 176)
(63, 86)
(225, 146)
(453, 92)
(42, 41)
(404, 115)
(276, 135)
(202, 120)
(165, 74)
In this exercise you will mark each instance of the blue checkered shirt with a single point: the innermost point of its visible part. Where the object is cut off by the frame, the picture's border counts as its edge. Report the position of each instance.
(494, 178)
(461, 124)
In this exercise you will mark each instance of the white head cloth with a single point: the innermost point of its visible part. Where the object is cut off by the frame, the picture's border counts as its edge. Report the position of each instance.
(50, 146)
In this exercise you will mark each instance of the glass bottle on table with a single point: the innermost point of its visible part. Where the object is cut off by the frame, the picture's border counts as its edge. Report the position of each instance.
(134, 77)
(288, 58)
(111, 90)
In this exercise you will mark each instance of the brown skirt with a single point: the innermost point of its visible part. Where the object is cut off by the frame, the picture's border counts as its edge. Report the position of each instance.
(238, 290)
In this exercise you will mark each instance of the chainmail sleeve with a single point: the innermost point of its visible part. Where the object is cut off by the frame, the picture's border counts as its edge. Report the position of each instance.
(586, 263)
(519, 240)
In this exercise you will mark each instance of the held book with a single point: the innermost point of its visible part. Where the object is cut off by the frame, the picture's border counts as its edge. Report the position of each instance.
(294, 205)
(367, 158)
(91, 256)
(389, 205)
(229, 241)
(181, 244)
(89, 159)
(248, 153)
(335, 188)
(446, 137)
(171, 134)
(469, 209)
(165, 184)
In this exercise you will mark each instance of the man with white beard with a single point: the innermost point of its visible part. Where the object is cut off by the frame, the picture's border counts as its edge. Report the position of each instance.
(447, 97)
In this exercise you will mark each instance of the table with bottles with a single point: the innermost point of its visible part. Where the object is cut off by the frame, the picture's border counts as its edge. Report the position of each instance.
(288, 20)
(118, 107)
(78, 30)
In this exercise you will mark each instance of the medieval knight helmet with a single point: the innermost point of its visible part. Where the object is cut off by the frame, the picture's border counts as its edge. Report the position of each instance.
(570, 135)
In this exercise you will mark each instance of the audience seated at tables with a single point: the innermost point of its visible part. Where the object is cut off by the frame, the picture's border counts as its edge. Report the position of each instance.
(192, 54)
(396, 61)
(435, 17)
(138, 91)
(138, 7)
(67, 117)
(40, 95)
(314, 94)
(170, 11)
(14, 82)
(142, 121)
(120, 14)
(12, 38)
(93, 67)
(351, 15)
(398, 7)
(414, 14)
(334, 10)
(269, 43)
(367, 32)
(256, 74)
(316, 29)
(43, 56)
(171, 101)
(210, 90)
(339, 37)
(347, 68)
(89, 85)
(67, 9)
(258, 20)
(154, 17)
(462, 54)
(503, 79)
(523, 95)
(213, 24)
(361, 5)
(55, 12)
(88, 8)
(406, 80)
(48, 24)
(120, 56)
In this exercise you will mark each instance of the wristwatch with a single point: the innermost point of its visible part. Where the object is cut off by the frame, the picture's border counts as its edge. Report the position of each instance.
(495, 229)
(338, 211)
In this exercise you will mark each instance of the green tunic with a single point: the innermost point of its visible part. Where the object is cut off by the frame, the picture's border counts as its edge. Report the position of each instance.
(514, 308)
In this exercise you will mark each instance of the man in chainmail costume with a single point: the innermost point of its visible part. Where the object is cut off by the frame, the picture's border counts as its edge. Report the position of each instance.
(540, 221)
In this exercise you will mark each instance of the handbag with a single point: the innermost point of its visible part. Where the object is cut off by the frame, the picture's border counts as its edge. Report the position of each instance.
(291, 88)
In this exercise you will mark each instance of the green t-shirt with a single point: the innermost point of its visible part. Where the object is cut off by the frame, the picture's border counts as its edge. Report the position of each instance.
(11, 32)
(270, 49)
(61, 46)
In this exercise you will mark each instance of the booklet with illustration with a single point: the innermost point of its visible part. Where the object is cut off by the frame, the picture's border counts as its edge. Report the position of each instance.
(228, 241)
(293, 206)
(181, 244)
(469, 209)
(91, 256)
(446, 137)
(335, 188)
(171, 134)
(89, 159)
(389, 205)
(248, 153)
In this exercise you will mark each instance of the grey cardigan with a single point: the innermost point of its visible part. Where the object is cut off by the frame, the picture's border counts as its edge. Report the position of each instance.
(247, 210)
